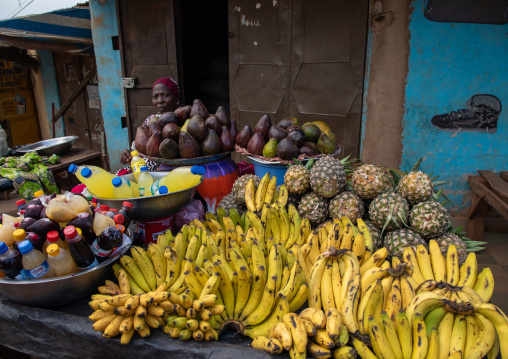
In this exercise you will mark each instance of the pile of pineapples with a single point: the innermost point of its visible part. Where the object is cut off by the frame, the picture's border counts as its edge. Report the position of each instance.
(400, 209)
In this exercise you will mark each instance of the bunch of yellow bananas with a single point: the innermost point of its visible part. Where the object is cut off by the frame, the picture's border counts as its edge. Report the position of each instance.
(342, 234)
(312, 332)
(387, 288)
(117, 311)
(266, 192)
(432, 265)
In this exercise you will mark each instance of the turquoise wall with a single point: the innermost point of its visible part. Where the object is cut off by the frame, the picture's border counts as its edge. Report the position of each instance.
(109, 70)
(51, 93)
(448, 63)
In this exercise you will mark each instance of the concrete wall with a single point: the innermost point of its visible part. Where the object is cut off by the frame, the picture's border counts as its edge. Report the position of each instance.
(109, 70)
(447, 63)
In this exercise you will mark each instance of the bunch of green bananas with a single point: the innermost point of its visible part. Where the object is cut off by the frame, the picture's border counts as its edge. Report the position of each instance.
(312, 332)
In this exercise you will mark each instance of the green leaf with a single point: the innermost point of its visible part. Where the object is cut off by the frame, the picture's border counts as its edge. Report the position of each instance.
(416, 166)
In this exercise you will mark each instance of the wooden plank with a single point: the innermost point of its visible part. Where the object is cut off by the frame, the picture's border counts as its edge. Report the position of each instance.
(76, 156)
(490, 197)
(476, 225)
(504, 175)
(496, 229)
(497, 184)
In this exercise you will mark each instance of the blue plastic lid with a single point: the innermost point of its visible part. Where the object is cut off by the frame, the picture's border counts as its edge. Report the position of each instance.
(86, 172)
(25, 247)
(163, 190)
(117, 181)
(198, 170)
(3, 248)
(73, 168)
(144, 168)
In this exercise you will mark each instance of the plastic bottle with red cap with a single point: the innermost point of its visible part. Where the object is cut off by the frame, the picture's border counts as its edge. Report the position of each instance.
(110, 238)
(53, 237)
(21, 204)
(80, 250)
(125, 211)
(103, 208)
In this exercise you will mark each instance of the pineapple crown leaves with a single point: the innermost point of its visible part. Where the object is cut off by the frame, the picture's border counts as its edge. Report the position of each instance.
(400, 215)
(471, 246)
(297, 162)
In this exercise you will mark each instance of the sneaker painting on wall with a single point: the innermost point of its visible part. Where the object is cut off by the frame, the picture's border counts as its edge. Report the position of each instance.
(480, 115)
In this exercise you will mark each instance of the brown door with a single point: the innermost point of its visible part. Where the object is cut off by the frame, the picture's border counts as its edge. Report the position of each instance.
(301, 59)
(148, 50)
(83, 118)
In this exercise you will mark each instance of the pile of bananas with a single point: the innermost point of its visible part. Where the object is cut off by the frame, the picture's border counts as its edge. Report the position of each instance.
(432, 265)
(266, 192)
(117, 311)
(433, 326)
(311, 332)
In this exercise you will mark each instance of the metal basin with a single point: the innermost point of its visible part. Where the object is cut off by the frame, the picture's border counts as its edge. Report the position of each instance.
(153, 207)
(59, 291)
(49, 147)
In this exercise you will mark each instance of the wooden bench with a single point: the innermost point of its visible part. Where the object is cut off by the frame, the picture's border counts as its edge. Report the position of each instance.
(489, 190)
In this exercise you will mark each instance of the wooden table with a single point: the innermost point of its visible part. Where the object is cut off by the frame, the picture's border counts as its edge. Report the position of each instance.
(77, 156)
(489, 190)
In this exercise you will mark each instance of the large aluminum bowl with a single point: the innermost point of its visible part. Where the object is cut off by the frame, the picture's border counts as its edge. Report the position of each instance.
(59, 291)
(154, 207)
(49, 147)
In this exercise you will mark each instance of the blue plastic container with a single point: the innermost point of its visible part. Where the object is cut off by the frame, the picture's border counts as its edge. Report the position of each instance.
(262, 167)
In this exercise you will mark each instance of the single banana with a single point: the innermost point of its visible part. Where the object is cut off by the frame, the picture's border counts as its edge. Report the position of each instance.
(394, 300)
(458, 337)
(333, 323)
(270, 192)
(323, 339)
(281, 308)
(362, 227)
(452, 265)
(391, 333)
(363, 350)
(123, 281)
(486, 339)
(350, 303)
(377, 258)
(500, 322)
(294, 228)
(484, 284)
(250, 194)
(358, 248)
(472, 334)
(337, 285)
(129, 264)
(343, 337)
(405, 334)
(372, 308)
(318, 351)
(433, 344)
(315, 282)
(345, 352)
(437, 260)
(327, 298)
(406, 291)
(271, 345)
(244, 287)
(372, 275)
(315, 316)
(468, 271)
(309, 327)
(420, 340)
(424, 263)
(283, 196)
(433, 318)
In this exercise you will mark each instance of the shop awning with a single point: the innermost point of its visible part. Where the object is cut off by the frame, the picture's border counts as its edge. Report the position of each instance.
(60, 30)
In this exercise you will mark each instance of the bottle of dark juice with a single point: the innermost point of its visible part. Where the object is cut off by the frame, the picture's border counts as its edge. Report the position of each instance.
(79, 249)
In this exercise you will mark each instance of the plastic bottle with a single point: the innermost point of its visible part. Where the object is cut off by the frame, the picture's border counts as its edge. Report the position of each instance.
(136, 164)
(123, 188)
(119, 218)
(34, 262)
(19, 236)
(4, 148)
(21, 204)
(6, 232)
(60, 260)
(11, 264)
(125, 211)
(145, 181)
(121, 227)
(180, 178)
(80, 251)
(103, 208)
(98, 182)
(76, 170)
(100, 222)
(110, 238)
(53, 237)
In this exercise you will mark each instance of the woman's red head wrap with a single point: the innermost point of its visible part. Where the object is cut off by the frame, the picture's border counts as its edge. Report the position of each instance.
(169, 83)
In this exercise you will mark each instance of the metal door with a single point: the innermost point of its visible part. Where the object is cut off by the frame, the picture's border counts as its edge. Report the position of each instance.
(148, 51)
(83, 118)
(301, 59)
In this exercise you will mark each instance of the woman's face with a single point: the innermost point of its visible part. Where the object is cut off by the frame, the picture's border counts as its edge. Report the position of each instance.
(164, 99)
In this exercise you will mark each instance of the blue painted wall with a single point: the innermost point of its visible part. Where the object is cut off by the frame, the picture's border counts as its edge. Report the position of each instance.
(51, 93)
(109, 70)
(448, 63)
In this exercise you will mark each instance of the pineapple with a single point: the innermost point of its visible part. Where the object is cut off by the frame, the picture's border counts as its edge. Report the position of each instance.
(396, 241)
(389, 211)
(228, 202)
(239, 187)
(446, 239)
(369, 181)
(327, 177)
(314, 208)
(415, 187)
(297, 179)
(375, 233)
(430, 219)
(346, 204)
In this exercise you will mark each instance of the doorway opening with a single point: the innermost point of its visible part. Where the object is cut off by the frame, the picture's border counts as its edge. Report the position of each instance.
(204, 55)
